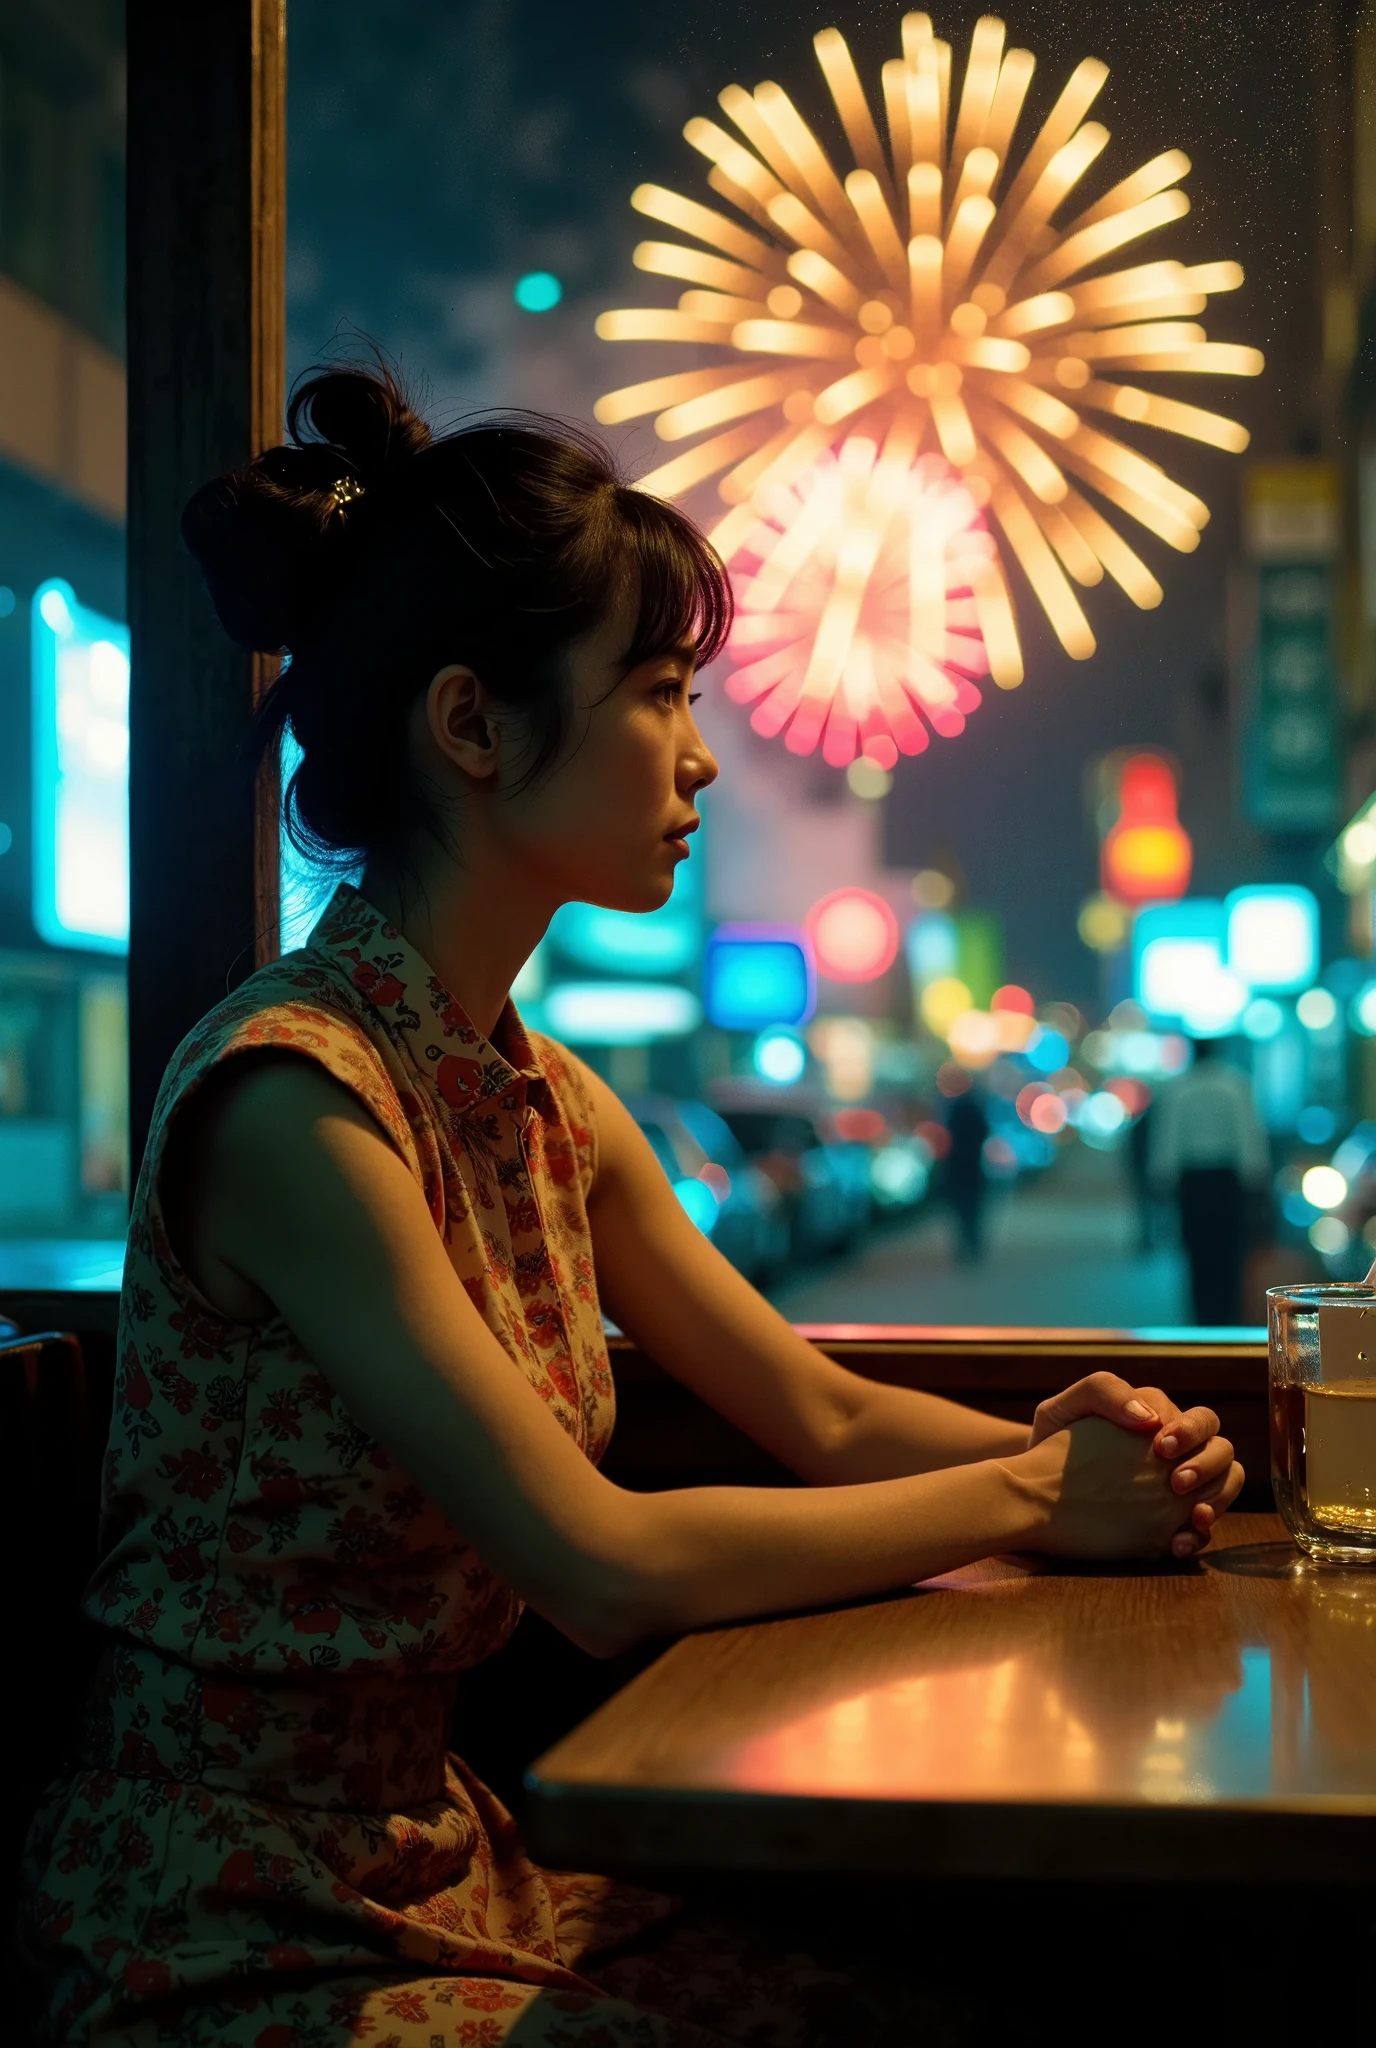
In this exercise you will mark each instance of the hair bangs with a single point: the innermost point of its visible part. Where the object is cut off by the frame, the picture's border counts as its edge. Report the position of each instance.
(684, 596)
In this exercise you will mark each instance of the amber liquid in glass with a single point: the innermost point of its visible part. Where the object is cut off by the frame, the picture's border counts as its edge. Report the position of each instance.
(1287, 1450)
(1323, 1456)
(1340, 1455)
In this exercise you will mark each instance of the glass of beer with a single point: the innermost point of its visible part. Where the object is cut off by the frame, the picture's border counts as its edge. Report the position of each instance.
(1323, 1418)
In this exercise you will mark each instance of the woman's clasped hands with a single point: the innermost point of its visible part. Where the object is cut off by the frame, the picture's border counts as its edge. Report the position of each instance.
(1121, 1471)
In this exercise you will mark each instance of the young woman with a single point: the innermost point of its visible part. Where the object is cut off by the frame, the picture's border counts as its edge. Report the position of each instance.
(363, 1381)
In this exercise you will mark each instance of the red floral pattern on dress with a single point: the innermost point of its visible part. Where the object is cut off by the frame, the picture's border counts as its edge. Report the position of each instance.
(263, 1791)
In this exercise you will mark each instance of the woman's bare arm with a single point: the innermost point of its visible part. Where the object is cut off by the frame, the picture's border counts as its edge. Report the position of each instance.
(305, 1204)
(668, 1286)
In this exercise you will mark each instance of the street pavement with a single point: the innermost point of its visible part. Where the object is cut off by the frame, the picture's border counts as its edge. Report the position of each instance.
(1061, 1249)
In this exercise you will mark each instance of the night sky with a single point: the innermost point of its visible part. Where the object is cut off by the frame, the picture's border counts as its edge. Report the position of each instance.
(438, 150)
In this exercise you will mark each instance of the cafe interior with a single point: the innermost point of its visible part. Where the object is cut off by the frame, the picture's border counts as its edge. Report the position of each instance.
(1022, 373)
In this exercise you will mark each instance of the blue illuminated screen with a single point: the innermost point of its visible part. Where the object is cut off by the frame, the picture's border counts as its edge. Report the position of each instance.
(749, 983)
(80, 773)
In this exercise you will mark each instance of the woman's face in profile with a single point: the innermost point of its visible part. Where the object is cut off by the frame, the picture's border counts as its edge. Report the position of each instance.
(608, 823)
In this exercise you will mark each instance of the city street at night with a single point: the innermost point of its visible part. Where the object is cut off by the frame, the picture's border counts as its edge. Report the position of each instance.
(1059, 1251)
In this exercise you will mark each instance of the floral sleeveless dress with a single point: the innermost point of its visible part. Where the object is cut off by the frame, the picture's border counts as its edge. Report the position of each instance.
(263, 1841)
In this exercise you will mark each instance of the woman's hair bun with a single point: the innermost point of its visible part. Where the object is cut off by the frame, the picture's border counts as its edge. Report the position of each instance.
(379, 555)
(270, 537)
(363, 414)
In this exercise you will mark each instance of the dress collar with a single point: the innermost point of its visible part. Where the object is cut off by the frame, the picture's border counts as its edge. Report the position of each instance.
(414, 1006)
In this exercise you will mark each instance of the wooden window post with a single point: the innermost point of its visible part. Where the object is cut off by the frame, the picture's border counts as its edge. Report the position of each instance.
(206, 239)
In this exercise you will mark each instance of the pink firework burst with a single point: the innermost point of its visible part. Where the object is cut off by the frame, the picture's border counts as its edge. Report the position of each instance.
(857, 591)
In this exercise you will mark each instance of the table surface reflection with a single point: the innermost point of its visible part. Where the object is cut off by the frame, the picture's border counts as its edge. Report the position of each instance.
(1019, 1717)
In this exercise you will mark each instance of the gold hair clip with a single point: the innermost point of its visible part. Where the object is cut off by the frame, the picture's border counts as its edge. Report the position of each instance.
(346, 489)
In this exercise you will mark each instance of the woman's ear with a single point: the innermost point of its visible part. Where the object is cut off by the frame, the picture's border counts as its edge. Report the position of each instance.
(459, 715)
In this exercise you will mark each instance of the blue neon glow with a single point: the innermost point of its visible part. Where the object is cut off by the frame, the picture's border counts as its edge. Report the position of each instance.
(931, 947)
(699, 1203)
(305, 888)
(1262, 1019)
(1102, 1115)
(1273, 937)
(539, 291)
(663, 941)
(1047, 1051)
(80, 773)
(1177, 954)
(620, 1012)
(757, 975)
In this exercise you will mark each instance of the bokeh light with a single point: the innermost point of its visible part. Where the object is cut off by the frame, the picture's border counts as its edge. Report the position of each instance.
(933, 890)
(854, 935)
(1315, 1124)
(974, 1038)
(1330, 1236)
(1048, 1114)
(1215, 1003)
(845, 1046)
(1102, 1113)
(55, 612)
(1063, 1017)
(1323, 1187)
(865, 778)
(1104, 924)
(1015, 1028)
(1316, 1009)
(1273, 936)
(1262, 1019)
(1047, 1050)
(1146, 855)
(780, 1057)
(1000, 1160)
(539, 291)
(942, 1002)
(699, 1203)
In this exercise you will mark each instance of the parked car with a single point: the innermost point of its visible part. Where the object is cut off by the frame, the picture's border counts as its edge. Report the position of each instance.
(826, 1186)
(733, 1202)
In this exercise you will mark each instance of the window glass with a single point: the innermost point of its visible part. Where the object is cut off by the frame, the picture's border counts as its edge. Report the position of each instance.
(64, 655)
(1020, 949)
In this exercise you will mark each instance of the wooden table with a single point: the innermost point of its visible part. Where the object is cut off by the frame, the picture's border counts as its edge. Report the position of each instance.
(1017, 1718)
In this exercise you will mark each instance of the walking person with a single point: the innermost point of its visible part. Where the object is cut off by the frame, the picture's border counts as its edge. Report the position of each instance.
(963, 1177)
(1208, 1154)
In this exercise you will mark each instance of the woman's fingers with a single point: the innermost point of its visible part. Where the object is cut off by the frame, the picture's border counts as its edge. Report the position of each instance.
(1204, 1513)
(1203, 1467)
(1216, 1498)
(1181, 1435)
(1106, 1395)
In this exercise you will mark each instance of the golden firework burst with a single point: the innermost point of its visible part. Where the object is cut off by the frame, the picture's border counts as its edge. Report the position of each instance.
(928, 301)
